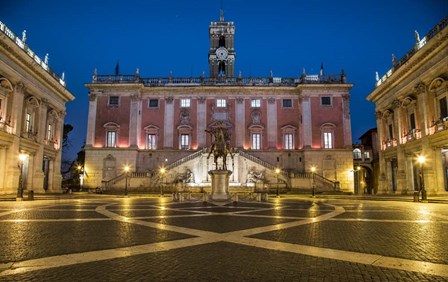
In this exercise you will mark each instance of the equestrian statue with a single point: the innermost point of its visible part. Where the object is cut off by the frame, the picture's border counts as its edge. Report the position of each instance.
(220, 147)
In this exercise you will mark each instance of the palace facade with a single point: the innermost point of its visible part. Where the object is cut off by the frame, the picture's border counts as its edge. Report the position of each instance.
(288, 124)
(32, 110)
(412, 117)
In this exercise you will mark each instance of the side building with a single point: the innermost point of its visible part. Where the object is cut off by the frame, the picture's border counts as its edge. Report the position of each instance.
(412, 118)
(290, 124)
(32, 110)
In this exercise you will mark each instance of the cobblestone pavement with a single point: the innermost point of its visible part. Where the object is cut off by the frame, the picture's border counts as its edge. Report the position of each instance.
(285, 239)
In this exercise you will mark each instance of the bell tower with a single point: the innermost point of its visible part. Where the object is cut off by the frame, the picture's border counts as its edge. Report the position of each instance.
(221, 56)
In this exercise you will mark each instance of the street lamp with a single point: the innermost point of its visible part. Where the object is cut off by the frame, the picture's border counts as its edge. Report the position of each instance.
(358, 171)
(277, 172)
(81, 177)
(313, 191)
(126, 172)
(22, 158)
(162, 172)
(421, 160)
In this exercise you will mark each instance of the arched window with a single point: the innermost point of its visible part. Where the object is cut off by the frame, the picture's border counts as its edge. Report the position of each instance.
(222, 41)
(357, 154)
(222, 69)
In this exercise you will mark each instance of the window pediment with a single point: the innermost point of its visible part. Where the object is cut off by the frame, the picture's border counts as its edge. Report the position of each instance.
(111, 126)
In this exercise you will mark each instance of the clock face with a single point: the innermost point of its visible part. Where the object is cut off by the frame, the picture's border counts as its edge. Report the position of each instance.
(221, 53)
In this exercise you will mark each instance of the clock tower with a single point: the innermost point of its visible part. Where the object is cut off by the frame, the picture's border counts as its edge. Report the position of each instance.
(221, 56)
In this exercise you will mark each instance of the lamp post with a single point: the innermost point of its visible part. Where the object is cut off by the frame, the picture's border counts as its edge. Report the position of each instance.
(81, 177)
(162, 172)
(421, 160)
(277, 172)
(358, 182)
(22, 158)
(313, 190)
(126, 172)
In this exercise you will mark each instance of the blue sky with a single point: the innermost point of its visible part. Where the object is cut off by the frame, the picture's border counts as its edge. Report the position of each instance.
(161, 35)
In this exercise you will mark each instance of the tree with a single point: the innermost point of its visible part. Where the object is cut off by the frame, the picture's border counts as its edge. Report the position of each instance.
(65, 140)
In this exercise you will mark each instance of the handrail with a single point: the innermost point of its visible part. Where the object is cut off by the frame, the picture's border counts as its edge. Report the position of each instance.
(186, 159)
(320, 178)
(261, 162)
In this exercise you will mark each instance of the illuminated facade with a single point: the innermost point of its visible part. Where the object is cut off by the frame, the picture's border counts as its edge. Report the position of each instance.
(32, 110)
(286, 123)
(412, 117)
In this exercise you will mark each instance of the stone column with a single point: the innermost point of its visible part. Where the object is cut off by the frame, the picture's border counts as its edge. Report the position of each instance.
(134, 120)
(346, 122)
(201, 121)
(307, 122)
(91, 120)
(272, 117)
(240, 122)
(169, 122)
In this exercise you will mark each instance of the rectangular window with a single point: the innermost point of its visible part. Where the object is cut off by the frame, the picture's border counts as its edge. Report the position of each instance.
(255, 103)
(328, 140)
(287, 103)
(289, 145)
(412, 121)
(185, 141)
(152, 144)
(28, 122)
(325, 101)
(113, 101)
(185, 103)
(256, 141)
(221, 103)
(111, 139)
(443, 108)
(367, 155)
(153, 103)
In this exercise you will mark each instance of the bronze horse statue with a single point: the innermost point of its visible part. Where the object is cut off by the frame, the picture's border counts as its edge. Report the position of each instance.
(220, 147)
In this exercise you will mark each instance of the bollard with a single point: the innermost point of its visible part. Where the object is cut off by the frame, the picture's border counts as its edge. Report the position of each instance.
(30, 195)
(416, 195)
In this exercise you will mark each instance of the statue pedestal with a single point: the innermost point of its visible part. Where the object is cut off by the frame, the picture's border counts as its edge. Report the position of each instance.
(220, 184)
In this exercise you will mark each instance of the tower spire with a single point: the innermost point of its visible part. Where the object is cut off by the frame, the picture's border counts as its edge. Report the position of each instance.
(221, 14)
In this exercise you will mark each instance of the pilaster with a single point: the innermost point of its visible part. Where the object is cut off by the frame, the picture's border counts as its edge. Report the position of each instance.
(240, 122)
(272, 122)
(201, 121)
(307, 122)
(169, 122)
(346, 121)
(91, 120)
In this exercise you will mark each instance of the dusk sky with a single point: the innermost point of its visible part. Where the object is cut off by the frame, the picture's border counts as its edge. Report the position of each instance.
(159, 36)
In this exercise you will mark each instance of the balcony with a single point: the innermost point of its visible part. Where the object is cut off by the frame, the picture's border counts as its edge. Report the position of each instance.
(54, 144)
(439, 125)
(389, 143)
(411, 135)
